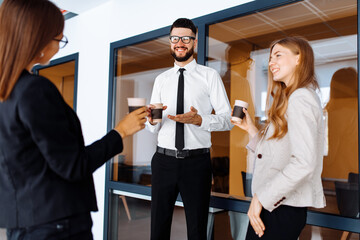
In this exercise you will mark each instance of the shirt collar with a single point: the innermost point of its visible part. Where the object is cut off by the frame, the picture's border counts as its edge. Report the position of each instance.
(188, 67)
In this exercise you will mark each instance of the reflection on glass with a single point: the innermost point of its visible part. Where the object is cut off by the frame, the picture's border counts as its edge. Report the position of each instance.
(136, 69)
(239, 51)
(130, 219)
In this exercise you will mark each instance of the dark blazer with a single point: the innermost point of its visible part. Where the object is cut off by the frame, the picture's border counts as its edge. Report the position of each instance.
(45, 169)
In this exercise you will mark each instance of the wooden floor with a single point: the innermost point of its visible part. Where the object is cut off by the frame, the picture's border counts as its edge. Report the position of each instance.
(138, 228)
(139, 225)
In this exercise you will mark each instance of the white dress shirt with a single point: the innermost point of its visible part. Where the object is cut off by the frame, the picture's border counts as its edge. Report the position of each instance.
(204, 90)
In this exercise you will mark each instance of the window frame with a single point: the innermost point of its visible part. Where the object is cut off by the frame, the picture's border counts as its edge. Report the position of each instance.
(62, 60)
(320, 219)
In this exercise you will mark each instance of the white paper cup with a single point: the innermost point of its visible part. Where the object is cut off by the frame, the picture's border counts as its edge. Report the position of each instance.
(136, 103)
(238, 113)
(156, 113)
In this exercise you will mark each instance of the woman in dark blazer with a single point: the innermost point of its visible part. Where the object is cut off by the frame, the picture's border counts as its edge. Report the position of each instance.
(46, 184)
(288, 153)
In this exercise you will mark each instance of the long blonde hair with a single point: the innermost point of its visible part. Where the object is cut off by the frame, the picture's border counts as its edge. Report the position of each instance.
(26, 27)
(304, 76)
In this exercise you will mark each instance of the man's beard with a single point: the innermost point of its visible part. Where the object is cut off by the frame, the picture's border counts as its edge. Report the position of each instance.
(184, 58)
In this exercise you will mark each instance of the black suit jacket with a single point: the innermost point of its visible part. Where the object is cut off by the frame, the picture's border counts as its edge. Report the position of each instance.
(45, 169)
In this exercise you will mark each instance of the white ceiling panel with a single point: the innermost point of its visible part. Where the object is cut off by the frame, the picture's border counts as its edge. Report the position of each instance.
(78, 6)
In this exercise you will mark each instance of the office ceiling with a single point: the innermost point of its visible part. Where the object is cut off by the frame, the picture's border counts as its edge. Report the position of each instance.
(332, 25)
(78, 6)
(307, 18)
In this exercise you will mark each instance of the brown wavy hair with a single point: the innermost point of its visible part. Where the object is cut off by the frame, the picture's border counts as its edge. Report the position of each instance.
(279, 93)
(26, 27)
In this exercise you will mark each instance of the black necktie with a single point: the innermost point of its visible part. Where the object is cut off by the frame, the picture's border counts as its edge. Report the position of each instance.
(179, 135)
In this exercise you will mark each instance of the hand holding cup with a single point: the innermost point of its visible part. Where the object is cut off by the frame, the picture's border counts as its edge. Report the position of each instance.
(155, 111)
(132, 123)
(241, 118)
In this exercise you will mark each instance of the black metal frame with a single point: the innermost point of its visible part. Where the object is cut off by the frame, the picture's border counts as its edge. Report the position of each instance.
(68, 58)
(314, 218)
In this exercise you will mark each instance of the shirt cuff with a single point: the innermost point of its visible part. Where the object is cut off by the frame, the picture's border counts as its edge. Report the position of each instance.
(152, 128)
(205, 123)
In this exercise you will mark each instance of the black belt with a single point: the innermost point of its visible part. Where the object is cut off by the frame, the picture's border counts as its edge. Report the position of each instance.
(182, 153)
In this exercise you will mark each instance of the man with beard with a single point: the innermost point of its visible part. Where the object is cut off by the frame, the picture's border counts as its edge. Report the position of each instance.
(181, 163)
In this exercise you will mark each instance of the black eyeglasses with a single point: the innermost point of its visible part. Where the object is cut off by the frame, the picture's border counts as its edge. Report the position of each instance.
(62, 42)
(184, 39)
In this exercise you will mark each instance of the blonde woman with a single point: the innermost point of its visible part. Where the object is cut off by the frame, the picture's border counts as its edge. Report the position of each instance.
(289, 150)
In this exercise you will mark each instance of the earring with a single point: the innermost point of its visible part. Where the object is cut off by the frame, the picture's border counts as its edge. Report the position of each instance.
(41, 54)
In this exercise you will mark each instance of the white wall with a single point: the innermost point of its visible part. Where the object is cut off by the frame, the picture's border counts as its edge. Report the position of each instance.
(91, 32)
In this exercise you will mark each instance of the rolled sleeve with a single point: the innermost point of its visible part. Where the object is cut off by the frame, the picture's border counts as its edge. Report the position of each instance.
(205, 122)
(220, 121)
(152, 128)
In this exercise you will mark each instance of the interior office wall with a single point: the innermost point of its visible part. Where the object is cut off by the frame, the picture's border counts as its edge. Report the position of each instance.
(137, 85)
(90, 33)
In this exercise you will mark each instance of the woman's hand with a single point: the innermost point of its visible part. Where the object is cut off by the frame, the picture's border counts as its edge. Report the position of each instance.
(246, 124)
(132, 123)
(254, 216)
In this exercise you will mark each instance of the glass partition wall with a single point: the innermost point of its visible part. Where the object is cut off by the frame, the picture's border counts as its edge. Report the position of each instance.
(136, 69)
(239, 50)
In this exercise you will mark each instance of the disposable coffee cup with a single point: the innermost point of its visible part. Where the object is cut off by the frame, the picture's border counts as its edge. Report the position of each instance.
(156, 113)
(238, 113)
(136, 103)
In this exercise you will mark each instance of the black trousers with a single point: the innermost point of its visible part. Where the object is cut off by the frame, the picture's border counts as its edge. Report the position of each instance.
(191, 177)
(72, 228)
(284, 223)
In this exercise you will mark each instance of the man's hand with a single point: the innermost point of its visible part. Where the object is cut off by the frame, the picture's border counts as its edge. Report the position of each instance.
(254, 216)
(148, 111)
(190, 117)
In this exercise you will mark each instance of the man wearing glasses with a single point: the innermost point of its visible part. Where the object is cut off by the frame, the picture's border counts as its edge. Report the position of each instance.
(181, 163)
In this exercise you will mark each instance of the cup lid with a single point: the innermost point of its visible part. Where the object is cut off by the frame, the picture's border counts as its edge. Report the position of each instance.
(157, 105)
(241, 103)
(137, 101)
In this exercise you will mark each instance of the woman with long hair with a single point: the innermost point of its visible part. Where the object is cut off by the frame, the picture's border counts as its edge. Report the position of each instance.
(46, 184)
(288, 152)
